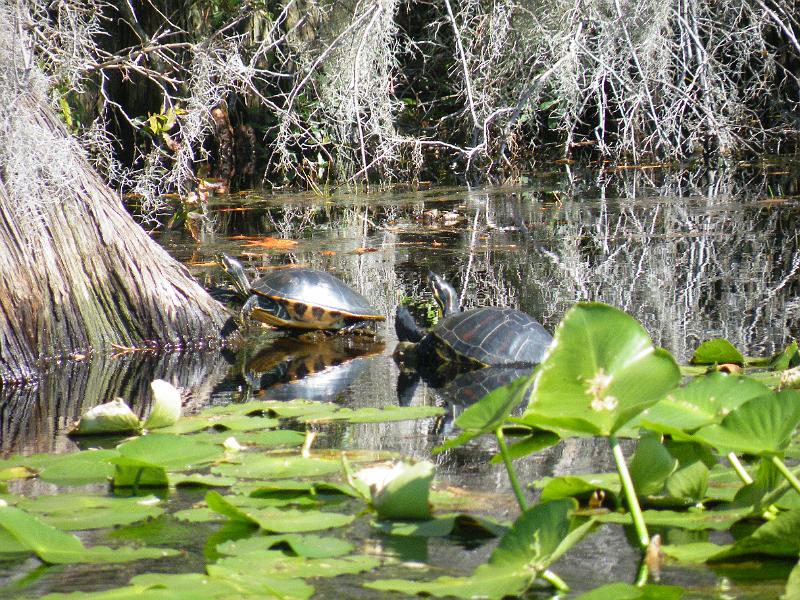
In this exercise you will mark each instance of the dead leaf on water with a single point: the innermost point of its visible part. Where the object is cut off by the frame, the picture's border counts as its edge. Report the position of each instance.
(328, 252)
(364, 250)
(269, 243)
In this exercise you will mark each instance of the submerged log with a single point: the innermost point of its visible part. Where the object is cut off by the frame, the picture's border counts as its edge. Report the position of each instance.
(77, 273)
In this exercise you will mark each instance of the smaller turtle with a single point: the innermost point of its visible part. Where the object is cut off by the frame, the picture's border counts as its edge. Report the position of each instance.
(302, 299)
(476, 338)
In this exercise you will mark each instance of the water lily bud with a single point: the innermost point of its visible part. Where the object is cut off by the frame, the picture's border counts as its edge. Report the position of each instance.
(166, 405)
(111, 417)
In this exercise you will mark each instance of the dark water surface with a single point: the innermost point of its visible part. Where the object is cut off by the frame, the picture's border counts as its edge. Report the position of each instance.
(691, 257)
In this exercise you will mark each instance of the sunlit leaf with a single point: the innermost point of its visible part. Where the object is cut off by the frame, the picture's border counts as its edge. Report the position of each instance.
(272, 564)
(56, 547)
(308, 546)
(172, 452)
(703, 401)
(579, 486)
(78, 468)
(488, 581)
(76, 511)
(278, 520)
(717, 351)
(261, 466)
(762, 426)
(627, 591)
(651, 465)
(601, 371)
(716, 520)
(462, 525)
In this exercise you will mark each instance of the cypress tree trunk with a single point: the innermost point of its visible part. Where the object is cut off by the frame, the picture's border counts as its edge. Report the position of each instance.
(77, 274)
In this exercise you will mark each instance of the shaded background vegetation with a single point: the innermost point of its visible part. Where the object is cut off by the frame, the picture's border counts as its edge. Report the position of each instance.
(310, 93)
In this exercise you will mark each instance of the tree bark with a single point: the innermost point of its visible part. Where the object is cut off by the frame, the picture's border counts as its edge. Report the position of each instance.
(77, 273)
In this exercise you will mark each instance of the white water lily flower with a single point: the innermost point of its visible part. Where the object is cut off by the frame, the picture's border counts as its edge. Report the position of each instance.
(232, 445)
(166, 405)
(111, 417)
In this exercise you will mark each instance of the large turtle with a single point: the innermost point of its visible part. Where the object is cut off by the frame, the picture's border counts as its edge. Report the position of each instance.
(302, 299)
(480, 337)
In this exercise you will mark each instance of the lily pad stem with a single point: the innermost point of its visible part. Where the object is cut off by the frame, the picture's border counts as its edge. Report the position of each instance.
(795, 483)
(630, 492)
(739, 468)
(555, 581)
(512, 474)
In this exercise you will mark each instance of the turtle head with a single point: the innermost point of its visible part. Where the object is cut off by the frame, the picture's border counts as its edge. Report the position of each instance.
(444, 294)
(235, 271)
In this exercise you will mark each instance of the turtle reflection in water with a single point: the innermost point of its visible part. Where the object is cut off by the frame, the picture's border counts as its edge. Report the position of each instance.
(291, 367)
(302, 299)
(466, 340)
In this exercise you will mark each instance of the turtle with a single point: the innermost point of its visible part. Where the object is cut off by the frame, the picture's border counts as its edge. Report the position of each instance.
(302, 299)
(479, 337)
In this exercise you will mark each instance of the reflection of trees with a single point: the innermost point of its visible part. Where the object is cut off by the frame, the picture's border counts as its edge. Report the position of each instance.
(690, 267)
(30, 417)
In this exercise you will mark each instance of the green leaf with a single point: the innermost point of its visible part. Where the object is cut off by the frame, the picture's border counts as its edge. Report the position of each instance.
(56, 547)
(793, 585)
(171, 452)
(716, 352)
(76, 511)
(600, 371)
(261, 466)
(536, 441)
(307, 546)
(689, 483)
(696, 520)
(762, 426)
(488, 581)
(626, 591)
(276, 565)
(79, 468)
(704, 401)
(780, 537)
(278, 520)
(489, 413)
(136, 473)
(400, 492)
(579, 486)
(694, 553)
(651, 465)
(783, 360)
(540, 536)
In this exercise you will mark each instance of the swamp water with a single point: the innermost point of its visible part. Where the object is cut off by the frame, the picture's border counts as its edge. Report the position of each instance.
(690, 258)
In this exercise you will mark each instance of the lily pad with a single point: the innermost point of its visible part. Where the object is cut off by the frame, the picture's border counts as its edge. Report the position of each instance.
(278, 520)
(715, 520)
(53, 546)
(599, 373)
(460, 524)
(307, 546)
(717, 352)
(79, 512)
(274, 564)
(263, 466)
(626, 591)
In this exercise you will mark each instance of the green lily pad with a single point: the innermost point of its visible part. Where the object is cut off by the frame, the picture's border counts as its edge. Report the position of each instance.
(78, 512)
(626, 591)
(703, 401)
(307, 546)
(717, 352)
(762, 426)
(53, 546)
(278, 520)
(488, 581)
(78, 468)
(599, 373)
(262, 466)
(171, 452)
(277, 565)
(200, 480)
(579, 486)
(715, 520)
(377, 415)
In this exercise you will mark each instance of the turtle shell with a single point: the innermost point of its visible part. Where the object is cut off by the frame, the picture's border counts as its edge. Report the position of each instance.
(491, 336)
(309, 299)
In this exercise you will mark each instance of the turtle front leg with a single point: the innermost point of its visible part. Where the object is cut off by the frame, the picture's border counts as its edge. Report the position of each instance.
(247, 309)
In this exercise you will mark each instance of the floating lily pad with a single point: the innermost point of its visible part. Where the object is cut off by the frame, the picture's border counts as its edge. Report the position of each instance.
(262, 466)
(626, 591)
(172, 452)
(78, 468)
(278, 520)
(308, 546)
(600, 372)
(200, 479)
(274, 564)
(716, 520)
(762, 426)
(54, 546)
(78, 512)
(717, 352)
(378, 415)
